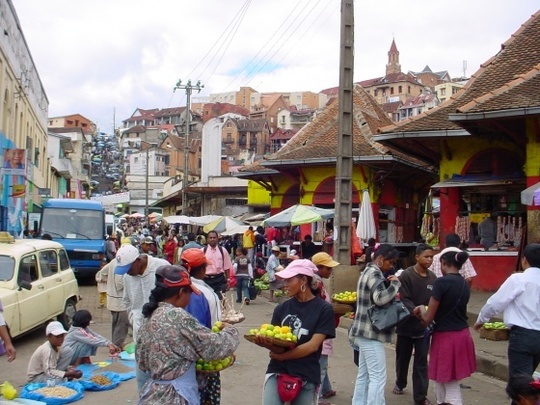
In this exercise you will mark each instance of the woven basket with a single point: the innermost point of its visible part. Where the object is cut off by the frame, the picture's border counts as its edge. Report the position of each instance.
(271, 340)
(494, 334)
(341, 309)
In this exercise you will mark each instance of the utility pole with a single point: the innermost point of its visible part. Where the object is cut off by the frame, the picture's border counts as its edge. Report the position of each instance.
(188, 87)
(344, 161)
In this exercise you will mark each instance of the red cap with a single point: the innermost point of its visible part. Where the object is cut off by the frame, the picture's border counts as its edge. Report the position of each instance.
(194, 258)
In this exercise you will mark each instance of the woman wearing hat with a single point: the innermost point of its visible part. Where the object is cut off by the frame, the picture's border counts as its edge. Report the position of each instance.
(171, 341)
(311, 320)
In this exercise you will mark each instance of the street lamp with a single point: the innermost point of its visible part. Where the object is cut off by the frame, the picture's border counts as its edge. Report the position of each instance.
(188, 87)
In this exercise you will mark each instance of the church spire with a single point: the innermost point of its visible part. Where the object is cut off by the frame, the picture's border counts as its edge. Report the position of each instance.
(393, 65)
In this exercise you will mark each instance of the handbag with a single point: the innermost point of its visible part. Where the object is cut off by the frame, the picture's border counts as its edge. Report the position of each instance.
(253, 290)
(288, 387)
(387, 316)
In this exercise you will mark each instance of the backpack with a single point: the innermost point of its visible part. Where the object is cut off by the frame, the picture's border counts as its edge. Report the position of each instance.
(220, 249)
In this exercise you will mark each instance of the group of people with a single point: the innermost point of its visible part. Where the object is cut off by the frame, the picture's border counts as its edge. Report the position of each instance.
(436, 290)
(172, 308)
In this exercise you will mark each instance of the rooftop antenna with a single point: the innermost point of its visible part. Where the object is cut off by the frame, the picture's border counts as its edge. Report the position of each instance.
(464, 68)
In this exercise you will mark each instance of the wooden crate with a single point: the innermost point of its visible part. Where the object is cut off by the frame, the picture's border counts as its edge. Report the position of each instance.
(495, 334)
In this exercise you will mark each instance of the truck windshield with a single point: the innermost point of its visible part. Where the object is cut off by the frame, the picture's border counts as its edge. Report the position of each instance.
(69, 223)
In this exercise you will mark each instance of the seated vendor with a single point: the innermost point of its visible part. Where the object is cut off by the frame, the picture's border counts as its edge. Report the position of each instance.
(51, 359)
(84, 341)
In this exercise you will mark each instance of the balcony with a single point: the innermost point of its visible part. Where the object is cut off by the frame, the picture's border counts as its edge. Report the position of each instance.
(63, 167)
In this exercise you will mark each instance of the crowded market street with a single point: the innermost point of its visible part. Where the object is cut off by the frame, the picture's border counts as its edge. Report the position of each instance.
(242, 383)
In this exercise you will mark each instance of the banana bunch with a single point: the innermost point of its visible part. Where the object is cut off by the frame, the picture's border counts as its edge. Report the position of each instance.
(495, 325)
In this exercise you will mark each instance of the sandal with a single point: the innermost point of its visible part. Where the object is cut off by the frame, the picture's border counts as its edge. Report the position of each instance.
(397, 390)
(329, 394)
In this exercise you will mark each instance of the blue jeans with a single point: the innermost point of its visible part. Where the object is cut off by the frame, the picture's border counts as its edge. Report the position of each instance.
(307, 396)
(371, 378)
(242, 285)
(523, 351)
(326, 386)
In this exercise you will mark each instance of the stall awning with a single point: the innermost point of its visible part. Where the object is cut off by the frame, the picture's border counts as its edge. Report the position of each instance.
(531, 195)
(474, 182)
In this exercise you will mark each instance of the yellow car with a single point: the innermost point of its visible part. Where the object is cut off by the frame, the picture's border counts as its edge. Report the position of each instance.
(37, 284)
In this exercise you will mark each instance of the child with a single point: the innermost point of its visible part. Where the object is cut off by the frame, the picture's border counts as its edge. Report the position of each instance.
(49, 361)
(243, 271)
(101, 281)
(83, 341)
(5, 339)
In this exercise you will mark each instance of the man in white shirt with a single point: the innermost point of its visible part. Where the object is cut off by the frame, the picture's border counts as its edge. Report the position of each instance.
(518, 300)
(467, 270)
(139, 272)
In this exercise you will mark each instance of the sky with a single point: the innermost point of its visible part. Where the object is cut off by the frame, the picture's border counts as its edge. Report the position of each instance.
(106, 58)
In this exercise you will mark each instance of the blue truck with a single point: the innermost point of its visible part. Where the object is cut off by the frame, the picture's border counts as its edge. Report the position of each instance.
(78, 225)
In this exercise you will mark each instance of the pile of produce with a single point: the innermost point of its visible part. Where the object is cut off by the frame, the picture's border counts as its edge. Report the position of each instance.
(100, 379)
(346, 297)
(57, 391)
(495, 325)
(277, 332)
(214, 365)
(262, 283)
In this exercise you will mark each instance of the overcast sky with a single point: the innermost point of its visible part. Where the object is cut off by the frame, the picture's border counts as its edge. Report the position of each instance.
(98, 56)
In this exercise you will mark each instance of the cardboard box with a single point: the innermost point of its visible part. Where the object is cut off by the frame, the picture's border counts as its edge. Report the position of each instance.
(495, 334)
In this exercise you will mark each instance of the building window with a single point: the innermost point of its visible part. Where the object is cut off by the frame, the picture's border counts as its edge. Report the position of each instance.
(409, 89)
(400, 89)
(391, 90)
(235, 201)
(443, 91)
(375, 92)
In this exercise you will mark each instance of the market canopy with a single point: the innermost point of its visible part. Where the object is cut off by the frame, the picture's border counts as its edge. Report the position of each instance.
(222, 224)
(531, 195)
(177, 219)
(204, 220)
(298, 215)
(240, 229)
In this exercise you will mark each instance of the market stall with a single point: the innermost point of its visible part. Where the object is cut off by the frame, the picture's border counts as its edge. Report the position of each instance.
(489, 218)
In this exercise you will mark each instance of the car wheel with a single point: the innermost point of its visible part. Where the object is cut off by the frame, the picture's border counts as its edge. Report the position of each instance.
(66, 318)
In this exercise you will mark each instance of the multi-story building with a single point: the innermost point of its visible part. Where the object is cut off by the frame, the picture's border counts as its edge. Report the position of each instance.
(72, 121)
(79, 155)
(430, 78)
(417, 105)
(446, 90)
(23, 128)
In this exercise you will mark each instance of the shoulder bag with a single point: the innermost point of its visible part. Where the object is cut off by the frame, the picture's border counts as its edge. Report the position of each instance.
(387, 316)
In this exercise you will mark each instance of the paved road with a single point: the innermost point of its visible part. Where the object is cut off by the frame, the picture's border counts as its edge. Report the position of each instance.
(242, 383)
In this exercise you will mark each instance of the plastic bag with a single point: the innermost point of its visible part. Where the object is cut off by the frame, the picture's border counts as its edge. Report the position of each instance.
(90, 385)
(130, 348)
(8, 391)
(28, 393)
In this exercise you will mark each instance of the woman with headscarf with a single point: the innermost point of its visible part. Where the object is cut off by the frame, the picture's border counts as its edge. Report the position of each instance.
(311, 320)
(171, 341)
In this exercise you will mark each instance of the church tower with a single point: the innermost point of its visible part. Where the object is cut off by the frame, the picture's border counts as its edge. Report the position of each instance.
(393, 65)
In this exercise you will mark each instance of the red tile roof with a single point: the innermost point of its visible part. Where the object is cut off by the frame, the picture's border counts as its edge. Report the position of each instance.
(319, 138)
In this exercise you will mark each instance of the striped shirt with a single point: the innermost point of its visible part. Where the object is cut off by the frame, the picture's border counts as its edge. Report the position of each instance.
(372, 280)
